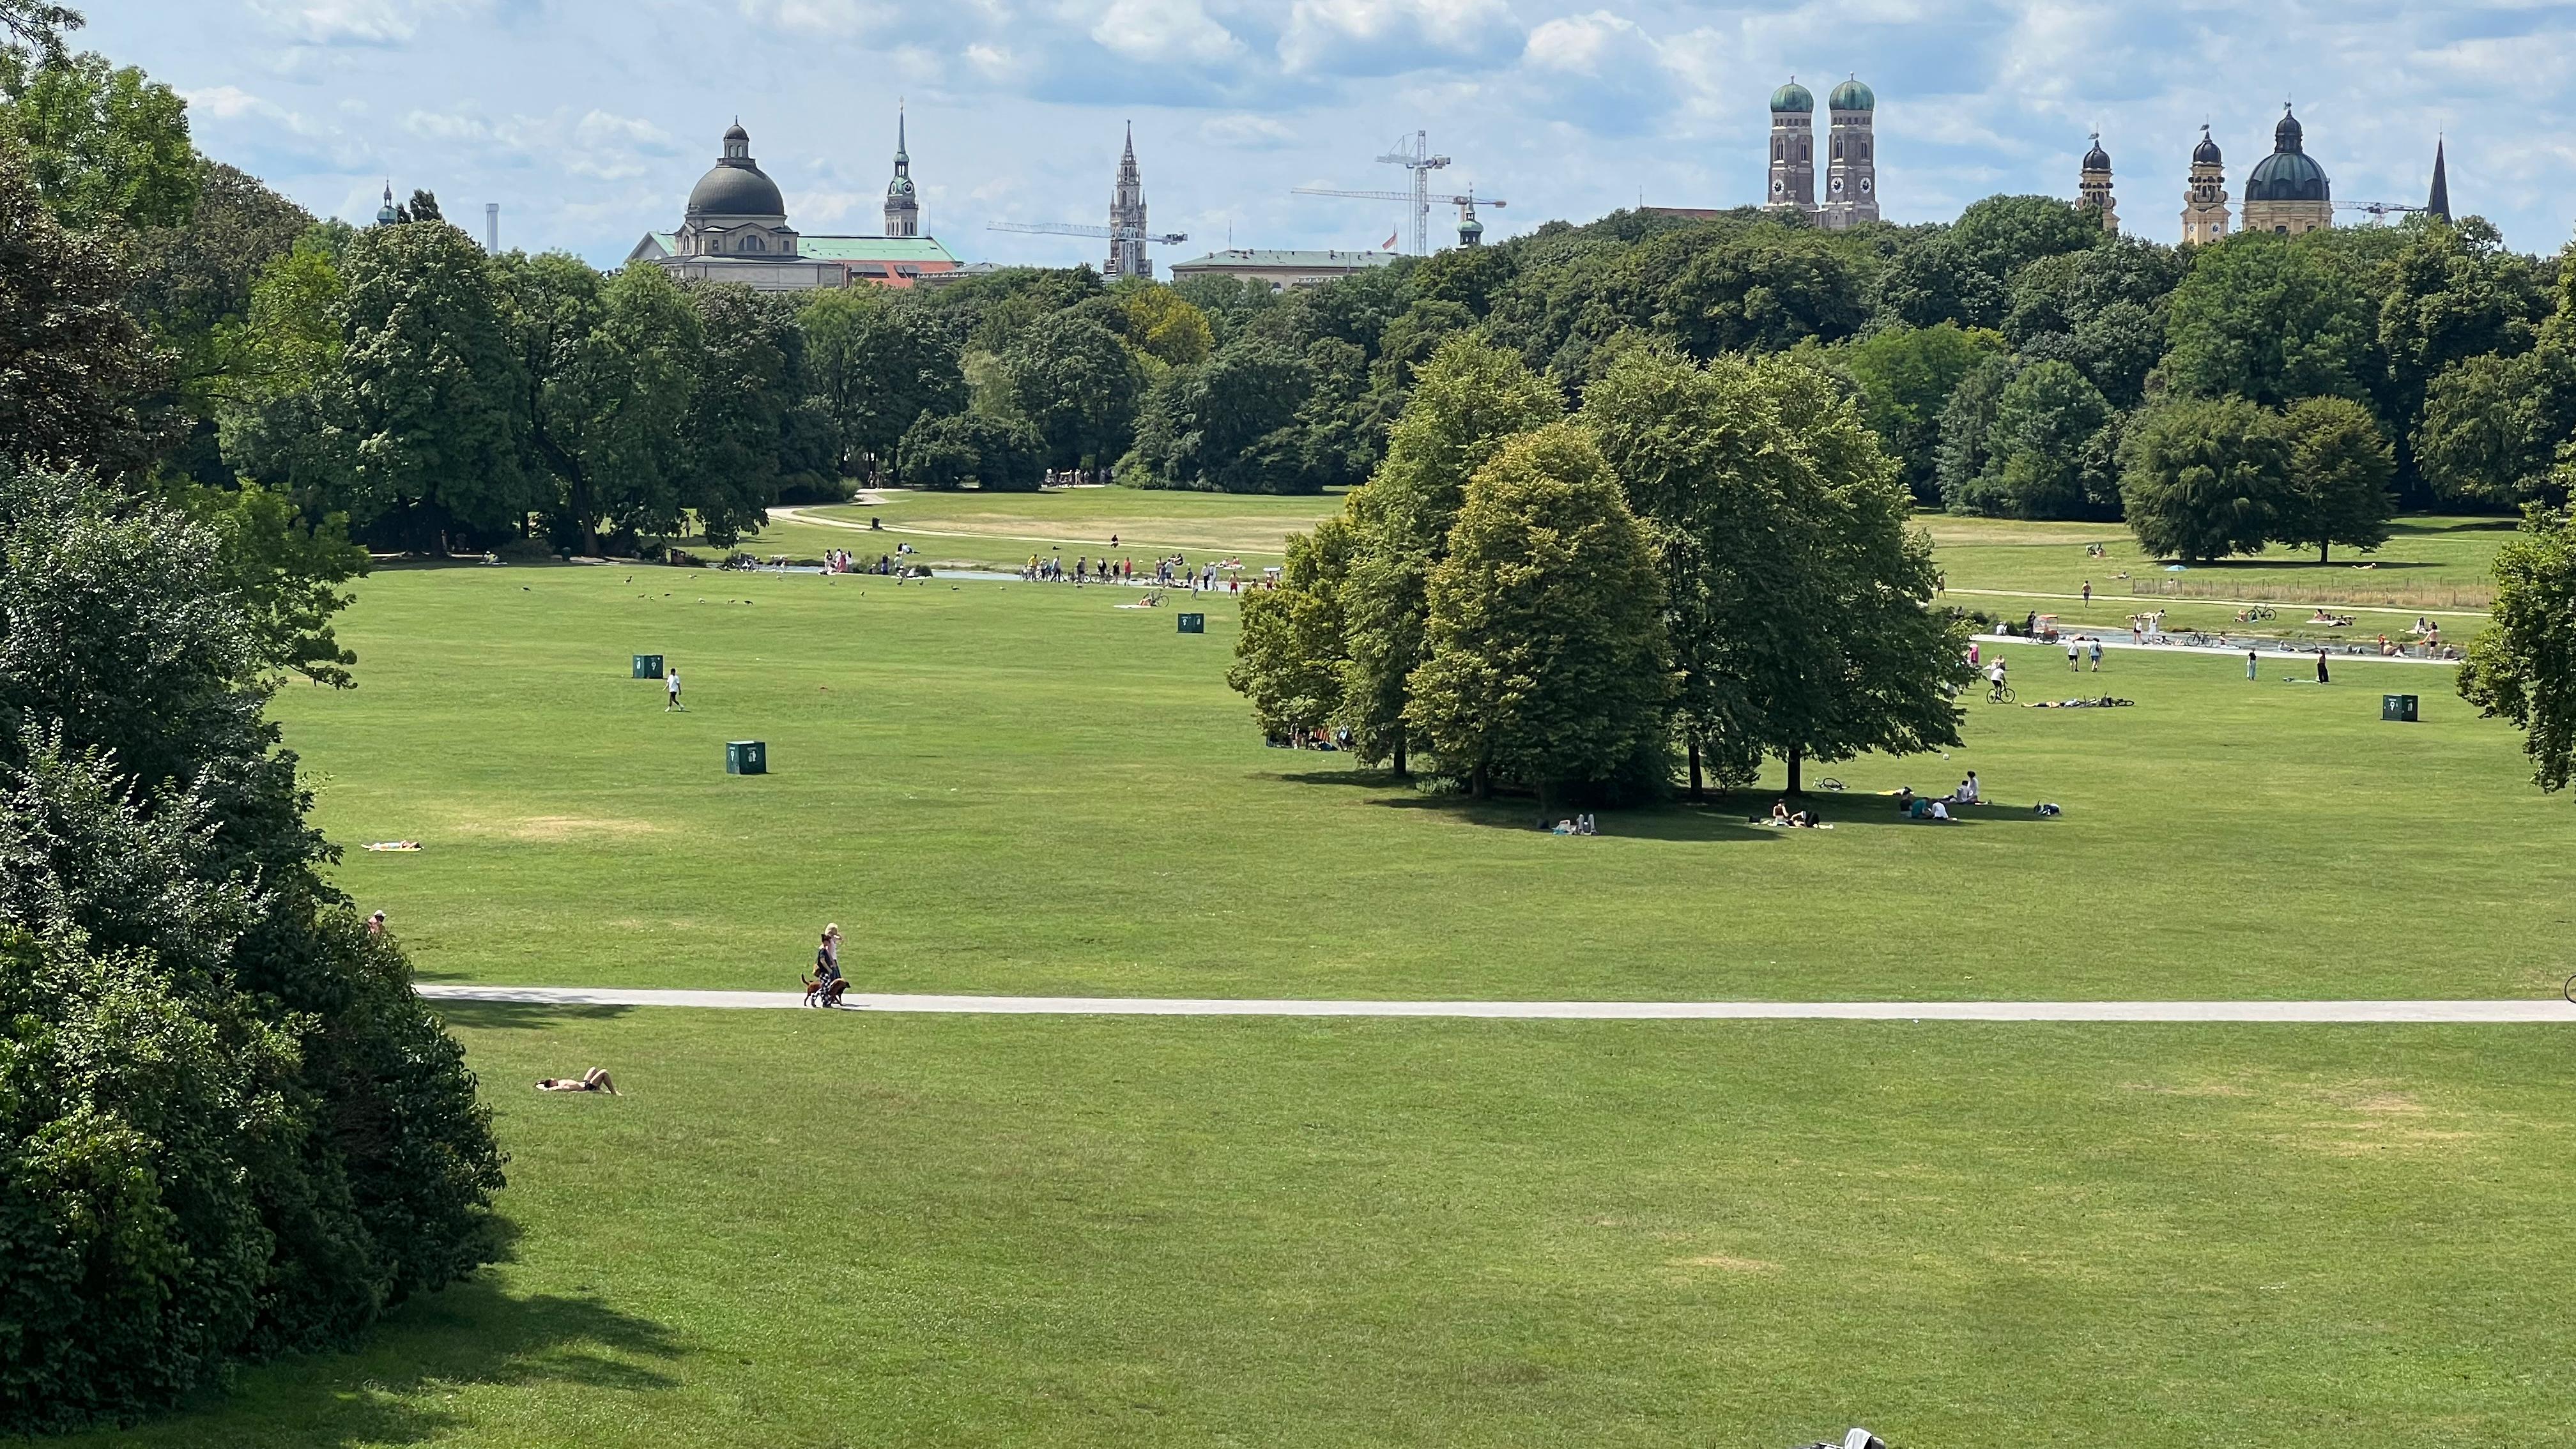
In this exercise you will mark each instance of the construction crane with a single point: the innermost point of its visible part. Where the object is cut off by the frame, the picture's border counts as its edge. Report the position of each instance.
(1421, 163)
(2379, 211)
(1112, 233)
(1422, 201)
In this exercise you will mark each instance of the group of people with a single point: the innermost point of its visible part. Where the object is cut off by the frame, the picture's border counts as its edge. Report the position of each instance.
(842, 561)
(1173, 571)
(1936, 808)
(1577, 825)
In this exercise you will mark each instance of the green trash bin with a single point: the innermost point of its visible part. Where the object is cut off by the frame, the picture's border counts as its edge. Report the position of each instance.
(2399, 707)
(746, 757)
(648, 666)
(1194, 623)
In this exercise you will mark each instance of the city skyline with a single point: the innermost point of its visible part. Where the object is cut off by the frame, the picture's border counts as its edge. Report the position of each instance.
(587, 122)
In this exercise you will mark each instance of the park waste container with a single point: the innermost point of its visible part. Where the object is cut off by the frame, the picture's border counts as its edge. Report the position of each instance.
(746, 757)
(2397, 707)
(1194, 623)
(648, 666)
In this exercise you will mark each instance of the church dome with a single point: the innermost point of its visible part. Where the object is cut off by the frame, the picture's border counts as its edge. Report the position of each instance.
(736, 188)
(1793, 97)
(2097, 159)
(1851, 95)
(2287, 174)
(2206, 153)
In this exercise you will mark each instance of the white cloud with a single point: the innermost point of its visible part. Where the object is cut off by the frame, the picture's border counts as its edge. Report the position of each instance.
(1247, 132)
(599, 145)
(226, 103)
(842, 19)
(1388, 37)
(1164, 31)
(359, 22)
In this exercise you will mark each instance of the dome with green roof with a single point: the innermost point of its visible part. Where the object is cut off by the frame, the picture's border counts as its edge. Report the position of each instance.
(1793, 97)
(1851, 95)
(2289, 173)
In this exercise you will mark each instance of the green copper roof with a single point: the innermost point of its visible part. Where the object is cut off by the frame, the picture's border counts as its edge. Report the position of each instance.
(872, 249)
(1851, 95)
(1257, 257)
(1793, 97)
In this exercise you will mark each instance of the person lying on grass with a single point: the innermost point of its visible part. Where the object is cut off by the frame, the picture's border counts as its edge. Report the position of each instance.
(594, 1080)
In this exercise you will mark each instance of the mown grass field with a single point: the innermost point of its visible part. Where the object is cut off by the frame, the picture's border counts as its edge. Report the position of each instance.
(804, 1229)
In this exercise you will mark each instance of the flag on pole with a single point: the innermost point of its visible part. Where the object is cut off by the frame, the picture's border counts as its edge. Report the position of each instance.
(1389, 244)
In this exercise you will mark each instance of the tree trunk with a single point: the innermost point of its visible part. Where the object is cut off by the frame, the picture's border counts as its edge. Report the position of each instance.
(1694, 762)
(1547, 800)
(1481, 783)
(2323, 545)
(1400, 772)
(1795, 758)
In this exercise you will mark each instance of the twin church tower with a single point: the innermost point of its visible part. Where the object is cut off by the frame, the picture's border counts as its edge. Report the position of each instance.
(1851, 155)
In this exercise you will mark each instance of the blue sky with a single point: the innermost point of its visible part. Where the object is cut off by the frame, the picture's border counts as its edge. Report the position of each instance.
(589, 120)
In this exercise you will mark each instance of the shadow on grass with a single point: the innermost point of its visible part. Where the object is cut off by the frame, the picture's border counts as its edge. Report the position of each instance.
(399, 1387)
(2309, 565)
(520, 1015)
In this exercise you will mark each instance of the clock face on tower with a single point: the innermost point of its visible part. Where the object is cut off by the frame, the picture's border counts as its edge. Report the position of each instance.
(1864, 183)
(1838, 185)
(1777, 187)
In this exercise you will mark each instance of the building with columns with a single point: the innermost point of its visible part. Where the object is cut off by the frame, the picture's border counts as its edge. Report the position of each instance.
(2287, 192)
(2204, 204)
(2094, 185)
(735, 229)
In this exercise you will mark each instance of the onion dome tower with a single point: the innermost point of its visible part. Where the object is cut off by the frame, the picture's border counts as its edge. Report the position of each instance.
(902, 210)
(1471, 232)
(386, 215)
(2204, 203)
(2287, 192)
(2095, 185)
(1793, 149)
(1851, 164)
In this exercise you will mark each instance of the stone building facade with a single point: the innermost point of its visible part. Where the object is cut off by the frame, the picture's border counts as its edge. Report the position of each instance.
(2204, 202)
(1850, 194)
(735, 229)
(2093, 184)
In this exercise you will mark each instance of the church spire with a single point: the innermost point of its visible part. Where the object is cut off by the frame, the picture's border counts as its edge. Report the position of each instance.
(902, 208)
(2439, 203)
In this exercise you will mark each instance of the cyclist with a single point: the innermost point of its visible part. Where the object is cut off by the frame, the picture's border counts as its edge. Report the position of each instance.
(1995, 679)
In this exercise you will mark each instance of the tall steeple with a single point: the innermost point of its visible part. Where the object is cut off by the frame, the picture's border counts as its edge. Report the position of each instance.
(1127, 218)
(2204, 204)
(1793, 149)
(2439, 203)
(385, 214)
(902, 209)
(2094, 185)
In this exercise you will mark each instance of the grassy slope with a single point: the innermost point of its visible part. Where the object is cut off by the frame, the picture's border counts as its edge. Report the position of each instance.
(2428, 562)
(1003, 787)
(804, 1231)
(1004, 529)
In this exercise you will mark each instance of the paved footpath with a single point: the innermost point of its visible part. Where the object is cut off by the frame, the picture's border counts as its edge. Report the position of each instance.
(2348, 1012)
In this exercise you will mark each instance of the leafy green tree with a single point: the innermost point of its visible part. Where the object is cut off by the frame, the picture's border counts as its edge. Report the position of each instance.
(75, 368)
(2063, 291)
(1468, 401)
(749, 379)
(2205, 479)
(108, 147)
(193, 285)
(1765, 292)
(2522, 669)
(1967, 433)
(1227, 425)
(1963, 273)
(2449, 294)
(34, 29)
(2492, 425)
(1075, 382)
(434, 387)
(951, 450)
(1545, 631)
(2036, 447)
(1162, 324)
(1797, 596)
(609, 365)
(877, 366)
(1292, 651)
(281, 403)
(422, 207)
(2271, 319)
(231, 1128)
(1905, 376)
(2340, 467)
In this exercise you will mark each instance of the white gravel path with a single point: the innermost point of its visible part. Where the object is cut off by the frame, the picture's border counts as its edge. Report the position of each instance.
(2287, 1012)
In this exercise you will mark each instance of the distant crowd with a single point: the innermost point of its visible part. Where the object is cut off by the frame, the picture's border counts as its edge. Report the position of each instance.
(1172, 571)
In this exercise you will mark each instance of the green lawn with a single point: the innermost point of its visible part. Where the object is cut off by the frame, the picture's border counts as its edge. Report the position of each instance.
(802, 1229)
(808, 1230)
(973, 529)
(1007, 787)
(2429, 562)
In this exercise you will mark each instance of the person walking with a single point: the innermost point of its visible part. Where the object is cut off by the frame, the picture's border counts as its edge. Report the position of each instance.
(671, 687)
(2088, 591)
(2097, 656)
(2074, 653)
(2321, 666)
(2252, 666)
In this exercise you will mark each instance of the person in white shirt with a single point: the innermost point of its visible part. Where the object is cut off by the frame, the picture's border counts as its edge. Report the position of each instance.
(671, 684)
(1967, 793)
(2075, 653)
(1995, 676)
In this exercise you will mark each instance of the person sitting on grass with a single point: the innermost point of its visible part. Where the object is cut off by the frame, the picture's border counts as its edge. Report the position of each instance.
(1780, 813)
(1967, 793)
(594, 1080)
(1904, 799)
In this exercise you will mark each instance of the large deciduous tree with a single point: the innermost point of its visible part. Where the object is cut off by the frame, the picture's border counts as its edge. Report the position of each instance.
(2271, 319)
(108, 147)
(1545, 639)
(877, 366)
(1228, 424)
(1467, 402)
(75, 367)
(609, 366)
(951, 450)
(749, 378)
(435, 387)
(2205, 479)
(2523, 667)
(1906, 375)
(2340, 467)
(1076, 383)
(1292, 652)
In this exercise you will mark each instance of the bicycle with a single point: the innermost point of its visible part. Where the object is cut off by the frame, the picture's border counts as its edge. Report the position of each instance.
(2002, 694)
(2570, 989)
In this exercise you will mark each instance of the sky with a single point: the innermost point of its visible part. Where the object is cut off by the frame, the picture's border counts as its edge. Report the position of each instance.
(589, 120)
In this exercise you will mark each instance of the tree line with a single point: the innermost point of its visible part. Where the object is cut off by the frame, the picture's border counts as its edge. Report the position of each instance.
(228, 1127)
(1706, 564)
